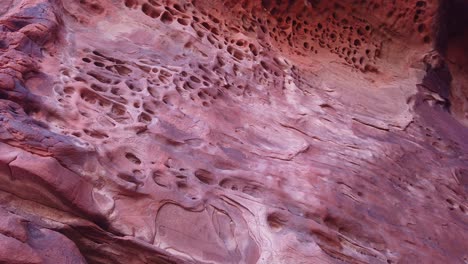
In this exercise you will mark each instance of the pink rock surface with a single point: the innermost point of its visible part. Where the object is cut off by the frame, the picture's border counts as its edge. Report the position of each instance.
(165, 131)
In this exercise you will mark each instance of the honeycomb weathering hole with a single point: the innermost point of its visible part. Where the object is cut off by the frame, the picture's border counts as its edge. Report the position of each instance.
(132, 158)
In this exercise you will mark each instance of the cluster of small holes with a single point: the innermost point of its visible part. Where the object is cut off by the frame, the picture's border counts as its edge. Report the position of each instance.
(340, 29)
(175, 177)
(206, 82)
(115, 85)
(242, 185)
(421, 21)
(116, 89)
(453, 206)
(165, 13)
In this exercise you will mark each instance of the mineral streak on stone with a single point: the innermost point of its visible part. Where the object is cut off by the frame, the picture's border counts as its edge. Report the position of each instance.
(221, 131)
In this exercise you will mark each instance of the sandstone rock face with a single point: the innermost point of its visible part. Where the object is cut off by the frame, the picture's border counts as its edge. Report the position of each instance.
(173, 131)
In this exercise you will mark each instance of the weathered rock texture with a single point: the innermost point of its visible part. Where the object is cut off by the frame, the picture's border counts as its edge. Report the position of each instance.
(165, 131)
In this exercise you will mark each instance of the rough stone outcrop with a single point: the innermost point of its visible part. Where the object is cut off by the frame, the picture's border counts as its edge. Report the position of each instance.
(167, 131)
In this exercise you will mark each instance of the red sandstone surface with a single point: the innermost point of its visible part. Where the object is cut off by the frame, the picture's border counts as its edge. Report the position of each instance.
(250, 131)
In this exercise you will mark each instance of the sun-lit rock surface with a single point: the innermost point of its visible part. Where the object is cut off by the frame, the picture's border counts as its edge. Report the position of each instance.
(161, 131)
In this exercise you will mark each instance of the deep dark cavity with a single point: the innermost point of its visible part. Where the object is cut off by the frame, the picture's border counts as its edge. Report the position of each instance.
(450, 27)
(451, 23)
